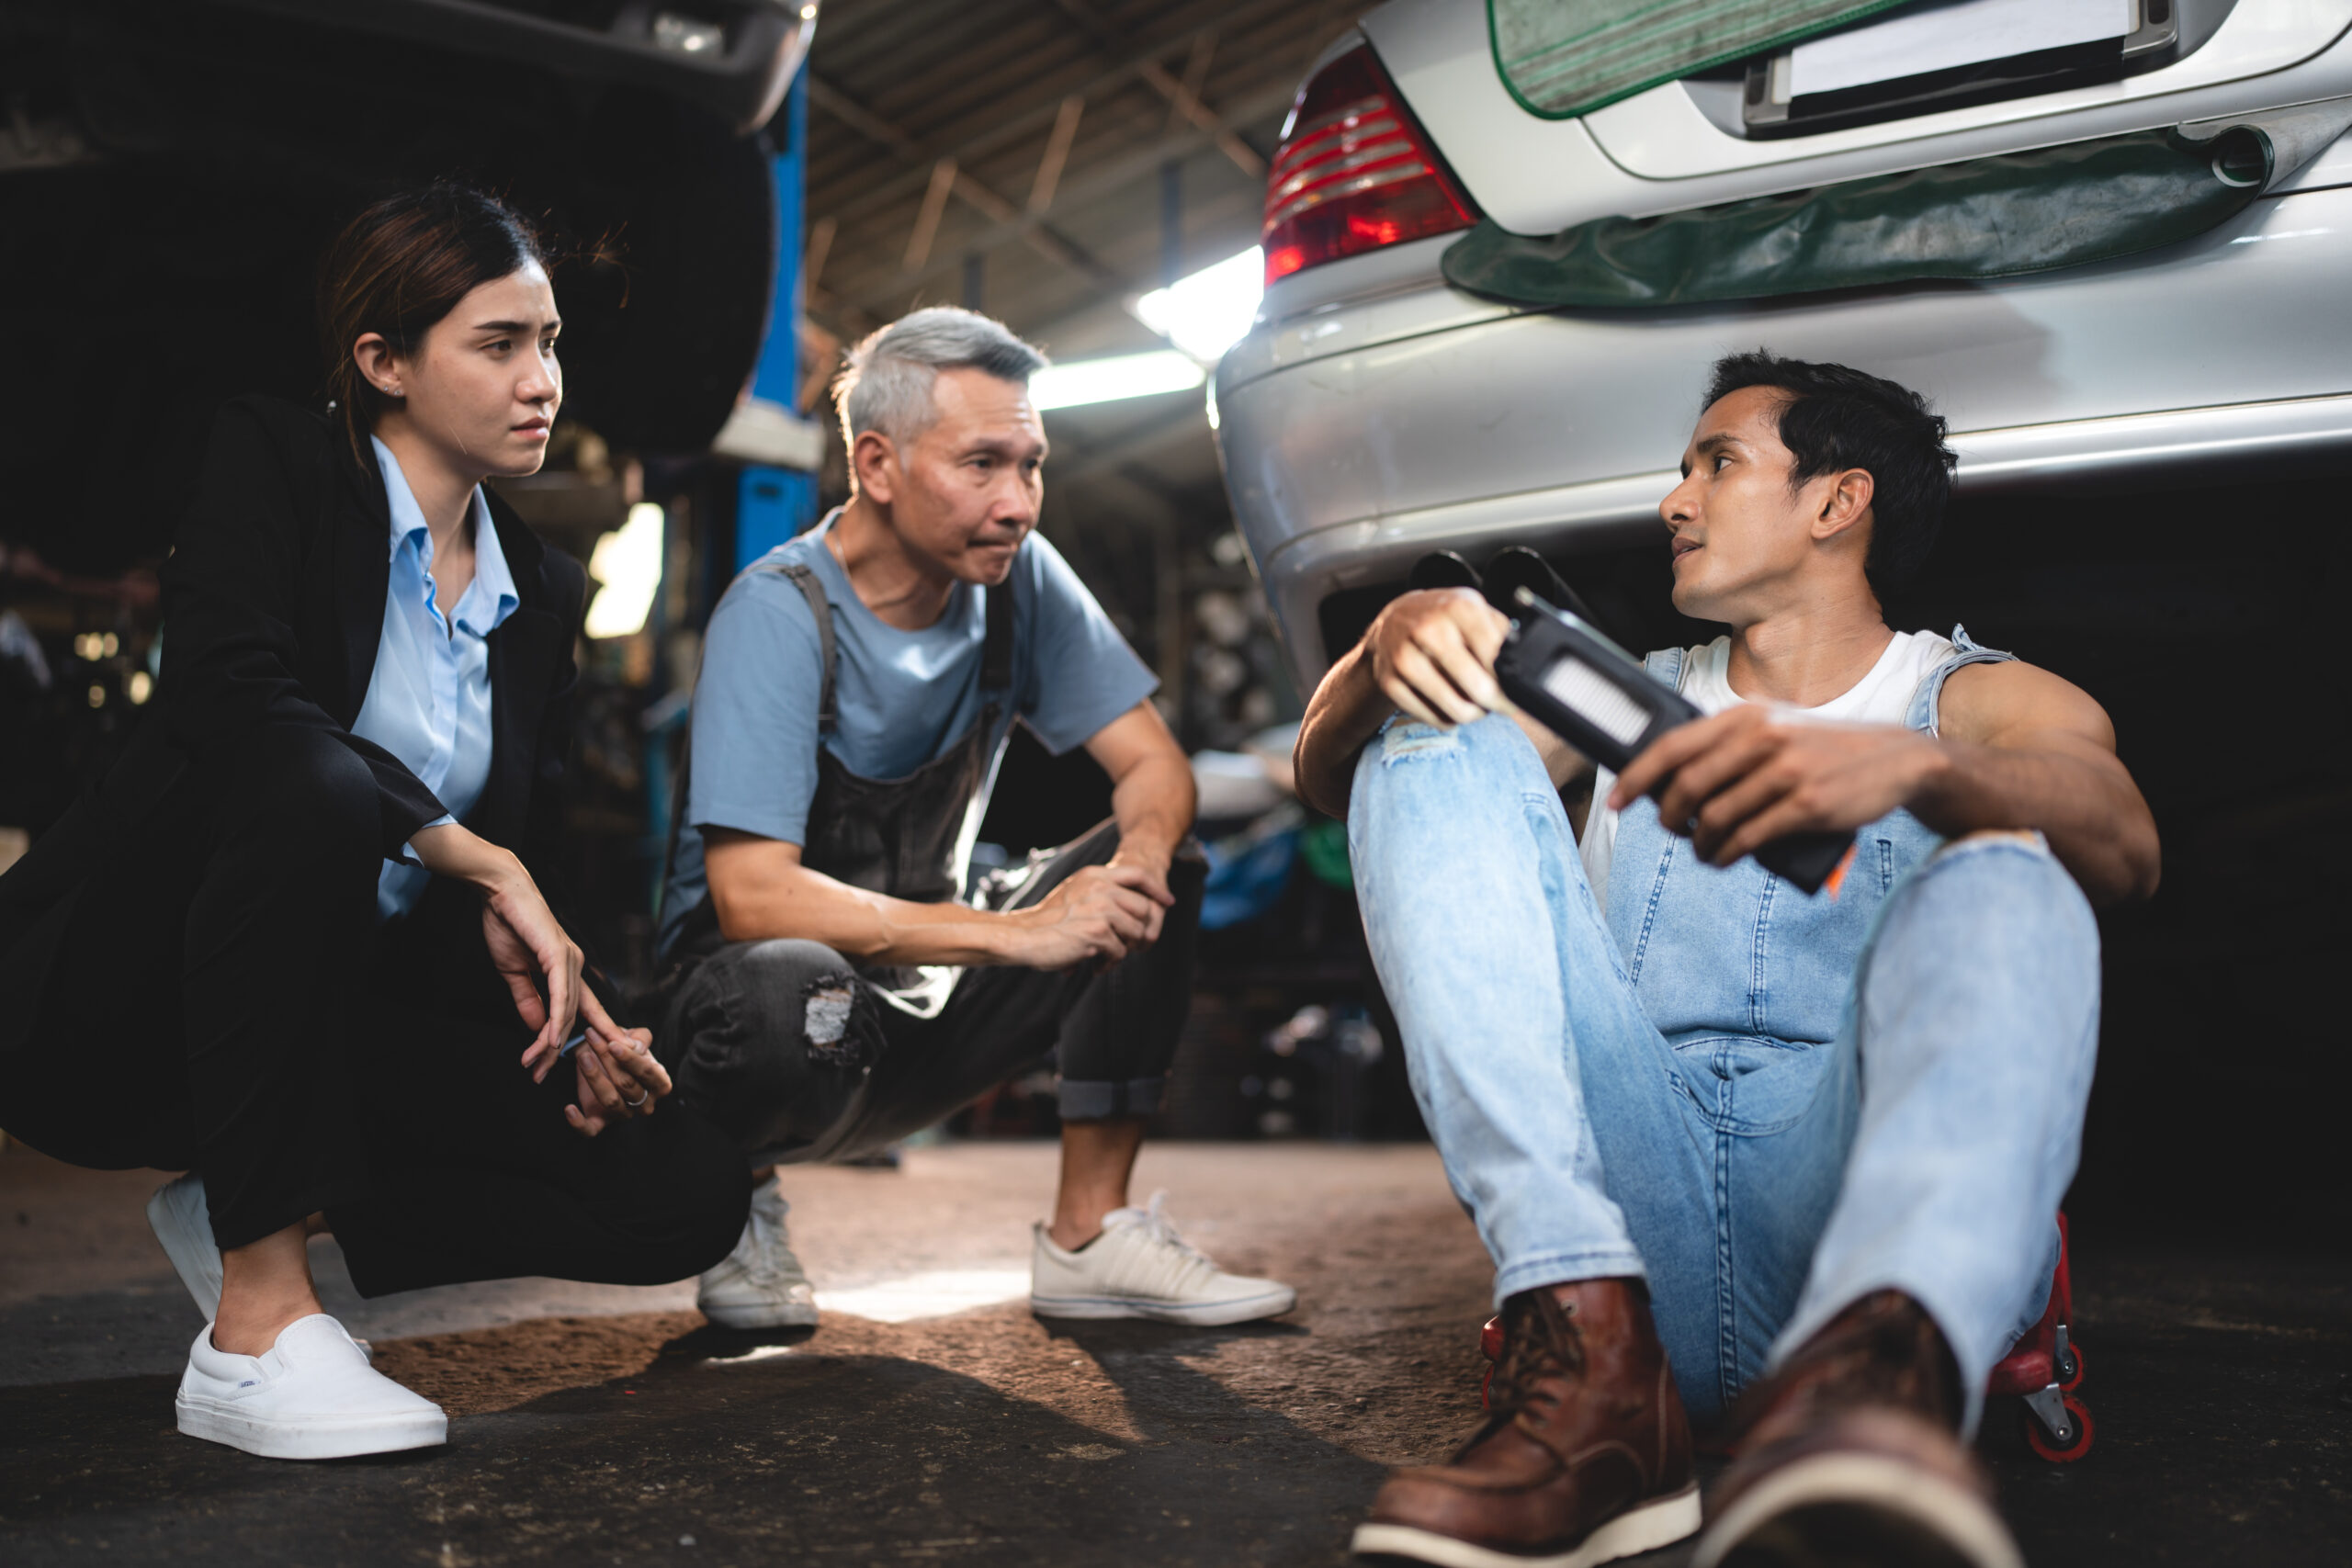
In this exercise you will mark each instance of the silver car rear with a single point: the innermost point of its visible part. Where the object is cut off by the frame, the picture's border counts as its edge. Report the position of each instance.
(1376, 412)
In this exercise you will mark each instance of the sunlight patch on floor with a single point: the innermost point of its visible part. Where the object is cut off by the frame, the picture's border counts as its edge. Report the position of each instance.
(936, 1294)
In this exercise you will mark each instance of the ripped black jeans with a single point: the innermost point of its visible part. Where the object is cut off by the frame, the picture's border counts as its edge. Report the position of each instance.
(781, 1044)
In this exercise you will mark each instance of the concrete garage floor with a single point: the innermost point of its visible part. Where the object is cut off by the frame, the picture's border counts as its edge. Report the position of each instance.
(598, 1424)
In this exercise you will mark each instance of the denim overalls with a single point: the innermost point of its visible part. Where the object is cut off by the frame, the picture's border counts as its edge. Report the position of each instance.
(1679, 921)
(1764, 1104)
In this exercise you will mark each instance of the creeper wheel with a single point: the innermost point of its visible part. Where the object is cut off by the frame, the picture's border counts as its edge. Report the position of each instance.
(2069, 1440)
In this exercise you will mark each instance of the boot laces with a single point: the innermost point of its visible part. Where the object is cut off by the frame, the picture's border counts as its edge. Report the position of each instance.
(1542, 1341)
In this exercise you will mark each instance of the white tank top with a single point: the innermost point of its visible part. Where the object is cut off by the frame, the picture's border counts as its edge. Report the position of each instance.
(1882, 696)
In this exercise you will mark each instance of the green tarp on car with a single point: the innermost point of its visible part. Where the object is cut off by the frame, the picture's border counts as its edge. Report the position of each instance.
(2053, 207)
(1564, 58)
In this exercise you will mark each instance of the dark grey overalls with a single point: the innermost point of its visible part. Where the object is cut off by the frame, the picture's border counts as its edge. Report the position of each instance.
(804, 1056)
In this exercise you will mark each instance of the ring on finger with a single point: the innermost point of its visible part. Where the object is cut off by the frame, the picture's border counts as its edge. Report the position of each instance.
(639, 1101)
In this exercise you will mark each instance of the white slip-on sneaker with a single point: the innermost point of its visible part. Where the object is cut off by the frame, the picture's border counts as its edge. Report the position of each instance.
(177, 1216)
(1140, 1267)
(311, 1395)
(183, 1222)
(759, 1284)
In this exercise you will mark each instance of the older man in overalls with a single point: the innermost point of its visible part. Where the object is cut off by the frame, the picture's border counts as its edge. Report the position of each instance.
(830, 989)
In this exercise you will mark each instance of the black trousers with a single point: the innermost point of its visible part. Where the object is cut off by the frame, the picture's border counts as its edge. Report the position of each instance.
(218, 997)
(777, 1041)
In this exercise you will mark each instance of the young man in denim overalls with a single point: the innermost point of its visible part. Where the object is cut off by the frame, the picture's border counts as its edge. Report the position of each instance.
(1718, 1136)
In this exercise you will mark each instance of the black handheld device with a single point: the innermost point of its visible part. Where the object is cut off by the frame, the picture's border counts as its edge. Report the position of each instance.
(1599, 699)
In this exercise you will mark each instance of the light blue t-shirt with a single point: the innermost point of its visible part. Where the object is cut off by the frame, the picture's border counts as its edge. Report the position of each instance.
(903, 697)
(428, 698)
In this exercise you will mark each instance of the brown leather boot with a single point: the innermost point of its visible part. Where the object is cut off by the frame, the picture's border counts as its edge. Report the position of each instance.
(1584, 1457)
(1851, 1453)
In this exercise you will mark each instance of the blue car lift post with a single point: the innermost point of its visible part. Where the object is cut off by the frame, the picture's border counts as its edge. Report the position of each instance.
(771, 505)
(774, 505)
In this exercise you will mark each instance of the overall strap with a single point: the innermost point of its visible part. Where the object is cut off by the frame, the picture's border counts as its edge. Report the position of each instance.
(814, 591)
(996, 652)
(1666, 664)
(1926, 701)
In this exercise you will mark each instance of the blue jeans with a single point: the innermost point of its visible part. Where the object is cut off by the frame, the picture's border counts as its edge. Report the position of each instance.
(1759, 1185)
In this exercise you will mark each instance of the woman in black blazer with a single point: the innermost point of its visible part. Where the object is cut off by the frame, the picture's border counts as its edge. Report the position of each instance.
(266, 951)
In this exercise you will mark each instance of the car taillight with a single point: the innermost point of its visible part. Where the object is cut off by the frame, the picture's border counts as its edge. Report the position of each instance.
(1353, 173)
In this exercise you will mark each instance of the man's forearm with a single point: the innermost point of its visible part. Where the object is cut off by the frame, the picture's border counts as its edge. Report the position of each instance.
(1346, 711)
(1153, 806)
(2097, 822)
(870, 928)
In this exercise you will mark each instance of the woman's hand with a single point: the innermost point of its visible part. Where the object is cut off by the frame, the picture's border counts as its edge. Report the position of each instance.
(618, 1078)
(527, 944)
(618, 1075)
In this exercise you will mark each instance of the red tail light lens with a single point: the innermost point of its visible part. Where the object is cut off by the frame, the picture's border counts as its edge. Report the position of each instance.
(1353, 173)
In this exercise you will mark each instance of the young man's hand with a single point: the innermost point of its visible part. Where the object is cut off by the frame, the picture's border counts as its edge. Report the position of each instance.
(1099, 912)
(1429, 656)
(1432, 654)
(1736, 780)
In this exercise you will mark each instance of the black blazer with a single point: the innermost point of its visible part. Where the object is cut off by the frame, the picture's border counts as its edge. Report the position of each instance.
(274, 605)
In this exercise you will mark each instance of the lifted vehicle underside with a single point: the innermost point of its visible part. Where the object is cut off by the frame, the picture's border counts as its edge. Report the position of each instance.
(169, 171)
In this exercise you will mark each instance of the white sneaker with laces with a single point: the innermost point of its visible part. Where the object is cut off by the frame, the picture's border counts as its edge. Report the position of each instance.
(759, 1284)
(311, 1395)
(1140, 1267)
(177, 1216)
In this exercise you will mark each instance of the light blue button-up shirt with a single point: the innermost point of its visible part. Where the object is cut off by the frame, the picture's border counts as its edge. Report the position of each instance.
(428, 701)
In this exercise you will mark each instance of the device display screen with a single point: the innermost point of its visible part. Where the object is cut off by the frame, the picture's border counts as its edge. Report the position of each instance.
(1598, 700)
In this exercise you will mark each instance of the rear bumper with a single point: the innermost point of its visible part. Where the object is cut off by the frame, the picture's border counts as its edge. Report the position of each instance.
(1359, 435)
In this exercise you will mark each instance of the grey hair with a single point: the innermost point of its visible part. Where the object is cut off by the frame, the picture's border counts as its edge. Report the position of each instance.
(886, 380)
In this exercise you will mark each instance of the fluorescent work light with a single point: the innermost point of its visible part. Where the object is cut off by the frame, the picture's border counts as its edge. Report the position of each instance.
(1210, 311)
(1202, 316)
(1075, 382)
(627, 563)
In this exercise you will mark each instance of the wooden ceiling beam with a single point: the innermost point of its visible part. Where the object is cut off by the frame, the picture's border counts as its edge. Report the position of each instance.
(1185, 102)
(1183, 96)
(946, 175)
(969, 144)
(1102, 180)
